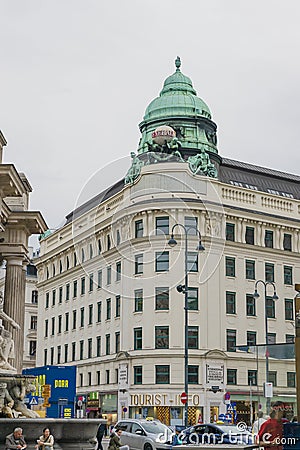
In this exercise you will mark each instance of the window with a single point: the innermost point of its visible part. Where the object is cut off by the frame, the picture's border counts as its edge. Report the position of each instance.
(68, 263)
(118, 305)
(98, 377)
(66, 347)
(138, 300)
(137, 336)
(161, 298)
(269, 238)
(91, 282)
(193, 374)
(137, 375)
(191, 224)
(59, 324)
(91, 313)
(162, 374)
(193, 340)
(99, 247)
(162, 225)
(67, 292)
(46, 328)
(89, 378)
(118, 237)
(108, 308)
(73, 351)
(60, 295)
(232, 376)
(250, 269)
(33, 322)
(138, 264)
(53, 297)
(99, 278)
(58, 356)
(288, 275)
(289, 309)
(161, 261)
(139, 229)
(82, 255)
(99, 308)
(107, 344)
(31, 270)
(81, 379)
(75, 259)
(249, 235)
(162, 337)
(230, 266)
(81, 347)
(32, 348)
(193, 299)
(291, 379)
(269, 272)
(90, 348)
(192, 262)
(290, 338)
(230, 232)
(251, 338)
(66, 321)
(98, 346)
(34, 297)
(74, 319)
(287, 242)
(230, 302)
(52, 326)
(271, 338)
(51, 356)
(83, 286)
(45, 357)
(91, 251)
(75, 288)
(270, 307)
(108, 275)
(107, 377)
(82, 316)
(47, 300)
(273, 377)
(117, 341)
(231, 340)
(252, 377)
(118, 271)
(108, 242)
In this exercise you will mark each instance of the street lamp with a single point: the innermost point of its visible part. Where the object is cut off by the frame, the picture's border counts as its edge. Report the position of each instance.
(184, 289)
(274, 297)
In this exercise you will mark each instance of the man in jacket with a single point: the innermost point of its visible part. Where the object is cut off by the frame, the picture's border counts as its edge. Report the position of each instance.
(15, 440)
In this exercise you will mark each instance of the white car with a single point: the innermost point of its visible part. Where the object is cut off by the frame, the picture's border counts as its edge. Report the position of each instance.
(145, 434)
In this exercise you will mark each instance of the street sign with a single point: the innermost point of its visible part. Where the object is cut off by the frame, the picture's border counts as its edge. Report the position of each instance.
(79, 403)
(227, 396)
(33, 401)
(124, 409)
(183, 398)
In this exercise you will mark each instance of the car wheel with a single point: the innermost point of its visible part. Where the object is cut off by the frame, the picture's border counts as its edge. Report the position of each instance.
(148, 447)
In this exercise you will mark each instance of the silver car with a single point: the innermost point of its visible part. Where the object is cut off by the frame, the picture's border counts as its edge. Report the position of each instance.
(145, 434)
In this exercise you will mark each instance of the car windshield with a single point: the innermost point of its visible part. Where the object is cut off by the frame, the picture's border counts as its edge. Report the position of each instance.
(232, 429)
(155, 427)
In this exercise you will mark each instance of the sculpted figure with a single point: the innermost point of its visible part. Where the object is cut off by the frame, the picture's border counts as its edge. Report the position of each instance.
(6, 401)
(134, 170)
(17, 391)
(7, 349)
(201, 163)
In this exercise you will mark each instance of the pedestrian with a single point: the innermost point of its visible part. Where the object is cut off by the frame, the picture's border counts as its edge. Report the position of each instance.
(46, 441)
(271, 431)
(100, 433)
(15, 440)
(258, 422)
(176, 438)
(115, 441)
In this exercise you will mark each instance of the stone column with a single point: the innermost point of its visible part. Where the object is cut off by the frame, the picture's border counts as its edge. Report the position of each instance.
(14, 304)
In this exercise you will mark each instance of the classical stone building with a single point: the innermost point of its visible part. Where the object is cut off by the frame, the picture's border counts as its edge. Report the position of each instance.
(108, 278)
(17, 223)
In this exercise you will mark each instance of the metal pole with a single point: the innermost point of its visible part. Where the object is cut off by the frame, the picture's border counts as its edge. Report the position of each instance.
(186, 333)
(268, 400)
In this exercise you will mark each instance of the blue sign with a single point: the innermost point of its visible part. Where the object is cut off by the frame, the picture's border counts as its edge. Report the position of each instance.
(61, 385)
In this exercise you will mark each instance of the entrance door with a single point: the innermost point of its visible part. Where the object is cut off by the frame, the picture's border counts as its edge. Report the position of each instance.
(214, 414)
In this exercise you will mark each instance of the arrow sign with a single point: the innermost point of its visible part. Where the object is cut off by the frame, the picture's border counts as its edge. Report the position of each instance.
(183, 398)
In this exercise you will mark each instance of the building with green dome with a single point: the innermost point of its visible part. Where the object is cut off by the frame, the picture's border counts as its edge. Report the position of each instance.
(108, 279)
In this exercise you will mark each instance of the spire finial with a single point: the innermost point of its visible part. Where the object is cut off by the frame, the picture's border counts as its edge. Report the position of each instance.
(178, 63)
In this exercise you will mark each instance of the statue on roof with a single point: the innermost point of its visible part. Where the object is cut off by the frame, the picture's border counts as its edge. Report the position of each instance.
(134, 170)
(200, 164)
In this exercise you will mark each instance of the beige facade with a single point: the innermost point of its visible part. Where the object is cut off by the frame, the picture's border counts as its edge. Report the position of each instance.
(101, 298)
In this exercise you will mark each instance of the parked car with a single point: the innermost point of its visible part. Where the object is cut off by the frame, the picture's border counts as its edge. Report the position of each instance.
(145, 434)
(216, 434)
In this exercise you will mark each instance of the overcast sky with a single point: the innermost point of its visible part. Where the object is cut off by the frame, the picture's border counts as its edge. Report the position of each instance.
(77, 76)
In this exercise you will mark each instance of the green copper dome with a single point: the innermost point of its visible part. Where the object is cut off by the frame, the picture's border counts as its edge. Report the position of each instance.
(178, 98)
